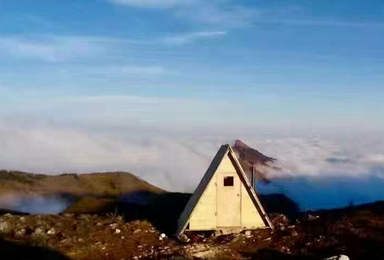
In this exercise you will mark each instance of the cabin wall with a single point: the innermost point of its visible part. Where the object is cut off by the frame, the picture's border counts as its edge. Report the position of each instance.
(250, 217)
(226, 166)
(229, 200)
(204, 215)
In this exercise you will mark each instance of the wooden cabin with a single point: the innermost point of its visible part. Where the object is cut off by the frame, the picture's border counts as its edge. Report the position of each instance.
(224, 200)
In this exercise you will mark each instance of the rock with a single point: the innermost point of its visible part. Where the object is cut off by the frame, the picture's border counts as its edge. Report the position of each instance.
(39, 231)
(280, 220)
(8, 215)
(183, 238)
(52, 231)
(137, 231)
(338, 257)
(230, 231)
(162, 236)
(21, 232)
(285, 249)
(117, 231)
(294, 233)
(203, 252)
(99, 224)
(312, 217)
(135, 258)
(5, 227)
(248, 233)
(218, 233)
(22, 219)
(113, 226)
(80, 240)
(84, 216)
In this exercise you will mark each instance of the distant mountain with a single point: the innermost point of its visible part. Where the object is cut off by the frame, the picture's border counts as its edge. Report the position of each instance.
(96, 192)
(106, 184)
(252, 158)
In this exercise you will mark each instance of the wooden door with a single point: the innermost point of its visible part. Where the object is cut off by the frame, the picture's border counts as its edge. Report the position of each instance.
(228, 200)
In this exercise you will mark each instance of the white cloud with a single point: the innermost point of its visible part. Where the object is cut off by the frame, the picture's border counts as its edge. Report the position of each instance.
(55, 48)
(226, 13)
(321, 158)
(151, 3)
(122, 110)
(61, 48)
(323, 23)
(175, 160)
(374, 158)
(33, 204)
(192, 37)
(222, 13)
(157, 157)
(127, 70)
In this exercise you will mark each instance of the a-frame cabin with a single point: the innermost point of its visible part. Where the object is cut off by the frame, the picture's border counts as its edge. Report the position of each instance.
(224, 199)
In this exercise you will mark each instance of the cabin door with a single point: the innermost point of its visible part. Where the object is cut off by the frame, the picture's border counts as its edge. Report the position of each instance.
(228, 200)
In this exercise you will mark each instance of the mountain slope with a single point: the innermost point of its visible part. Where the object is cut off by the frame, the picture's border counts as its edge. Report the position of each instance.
(85, 193)
(253, 160)
(105, 184)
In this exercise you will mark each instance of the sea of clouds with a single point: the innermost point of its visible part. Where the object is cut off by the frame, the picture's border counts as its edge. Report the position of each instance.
(325, 171)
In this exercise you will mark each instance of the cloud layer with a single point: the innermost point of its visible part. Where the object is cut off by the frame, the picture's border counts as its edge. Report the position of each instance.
(174, 160)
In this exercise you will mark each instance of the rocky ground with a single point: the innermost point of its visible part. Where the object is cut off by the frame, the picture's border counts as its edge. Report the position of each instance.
(356, 232)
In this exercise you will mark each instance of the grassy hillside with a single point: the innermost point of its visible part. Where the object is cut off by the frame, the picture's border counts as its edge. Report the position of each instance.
(85, 193)
(96, 184)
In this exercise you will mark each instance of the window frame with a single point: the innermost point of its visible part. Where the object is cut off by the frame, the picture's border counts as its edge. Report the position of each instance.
(229, 181)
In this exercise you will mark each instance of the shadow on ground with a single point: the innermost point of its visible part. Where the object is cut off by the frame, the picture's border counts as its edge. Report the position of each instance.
(13, 251)
(280, 204)
(162, 210)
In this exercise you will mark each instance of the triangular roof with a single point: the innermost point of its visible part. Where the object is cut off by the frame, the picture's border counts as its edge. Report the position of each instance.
(224, 150)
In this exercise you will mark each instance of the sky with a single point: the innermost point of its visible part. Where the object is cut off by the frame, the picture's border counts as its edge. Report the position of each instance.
(155, 86)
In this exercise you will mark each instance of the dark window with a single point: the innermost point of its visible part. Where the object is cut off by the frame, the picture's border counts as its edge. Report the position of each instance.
(228, 181)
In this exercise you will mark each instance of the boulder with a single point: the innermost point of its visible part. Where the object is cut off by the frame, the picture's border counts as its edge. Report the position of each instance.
(39, 231)
(5, 227)
(162, 236)
(21, 232)
(248, 233)
(113, 225)
(183, 238)
(52, 231)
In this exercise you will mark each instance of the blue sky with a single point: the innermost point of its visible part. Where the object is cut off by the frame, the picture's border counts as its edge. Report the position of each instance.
(291, 64)
(154, 87)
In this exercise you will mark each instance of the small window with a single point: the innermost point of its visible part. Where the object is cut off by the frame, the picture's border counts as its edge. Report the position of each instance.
(228, 181)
